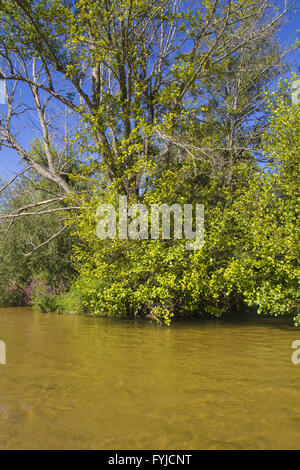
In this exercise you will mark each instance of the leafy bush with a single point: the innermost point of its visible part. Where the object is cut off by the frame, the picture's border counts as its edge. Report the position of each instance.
(69, 302)
(41, 296)
(249, 257)
(52, 261)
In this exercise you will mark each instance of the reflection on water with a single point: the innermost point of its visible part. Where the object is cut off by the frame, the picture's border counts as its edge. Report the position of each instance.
(74, 382)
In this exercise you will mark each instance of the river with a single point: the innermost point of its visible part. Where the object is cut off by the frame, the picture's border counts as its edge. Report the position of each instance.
(75, 382)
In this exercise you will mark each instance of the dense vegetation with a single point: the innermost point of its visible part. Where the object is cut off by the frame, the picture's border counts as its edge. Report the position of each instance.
(162, 102)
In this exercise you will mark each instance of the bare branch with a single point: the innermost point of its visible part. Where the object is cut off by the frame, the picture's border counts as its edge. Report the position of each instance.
(14, 178)
(46, 242)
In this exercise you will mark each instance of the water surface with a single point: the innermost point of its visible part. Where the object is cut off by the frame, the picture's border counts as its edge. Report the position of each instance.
(74, 382)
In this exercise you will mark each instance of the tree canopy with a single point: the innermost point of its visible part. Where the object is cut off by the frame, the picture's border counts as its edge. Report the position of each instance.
(161, 101)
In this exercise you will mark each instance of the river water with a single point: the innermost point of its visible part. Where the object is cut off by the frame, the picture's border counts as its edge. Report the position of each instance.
(74, 382)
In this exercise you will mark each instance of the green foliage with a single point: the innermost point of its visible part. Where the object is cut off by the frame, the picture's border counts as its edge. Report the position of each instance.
(169, 109)
(249, 259)
(69, 302)
(52, 261)
(41, 296)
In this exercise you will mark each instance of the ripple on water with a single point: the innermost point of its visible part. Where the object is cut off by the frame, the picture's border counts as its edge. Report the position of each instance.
(79, 382)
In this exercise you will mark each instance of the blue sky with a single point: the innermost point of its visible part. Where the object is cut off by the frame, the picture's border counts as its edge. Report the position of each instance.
(10, 161)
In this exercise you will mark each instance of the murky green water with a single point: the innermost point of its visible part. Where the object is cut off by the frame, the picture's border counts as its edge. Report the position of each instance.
(74, 382)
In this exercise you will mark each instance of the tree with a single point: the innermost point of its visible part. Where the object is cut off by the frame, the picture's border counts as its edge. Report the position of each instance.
(260, 221)
(130, 74)
(124, 68)
(24, 255)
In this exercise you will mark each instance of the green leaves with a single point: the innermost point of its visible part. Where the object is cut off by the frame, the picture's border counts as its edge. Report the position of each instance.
(168, 108)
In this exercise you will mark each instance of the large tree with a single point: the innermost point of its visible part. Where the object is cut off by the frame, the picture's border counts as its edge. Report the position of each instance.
(161, 101)
(126, 70)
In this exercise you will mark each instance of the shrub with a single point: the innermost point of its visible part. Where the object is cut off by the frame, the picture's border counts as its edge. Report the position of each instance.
(41, 296)
(69, 302)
